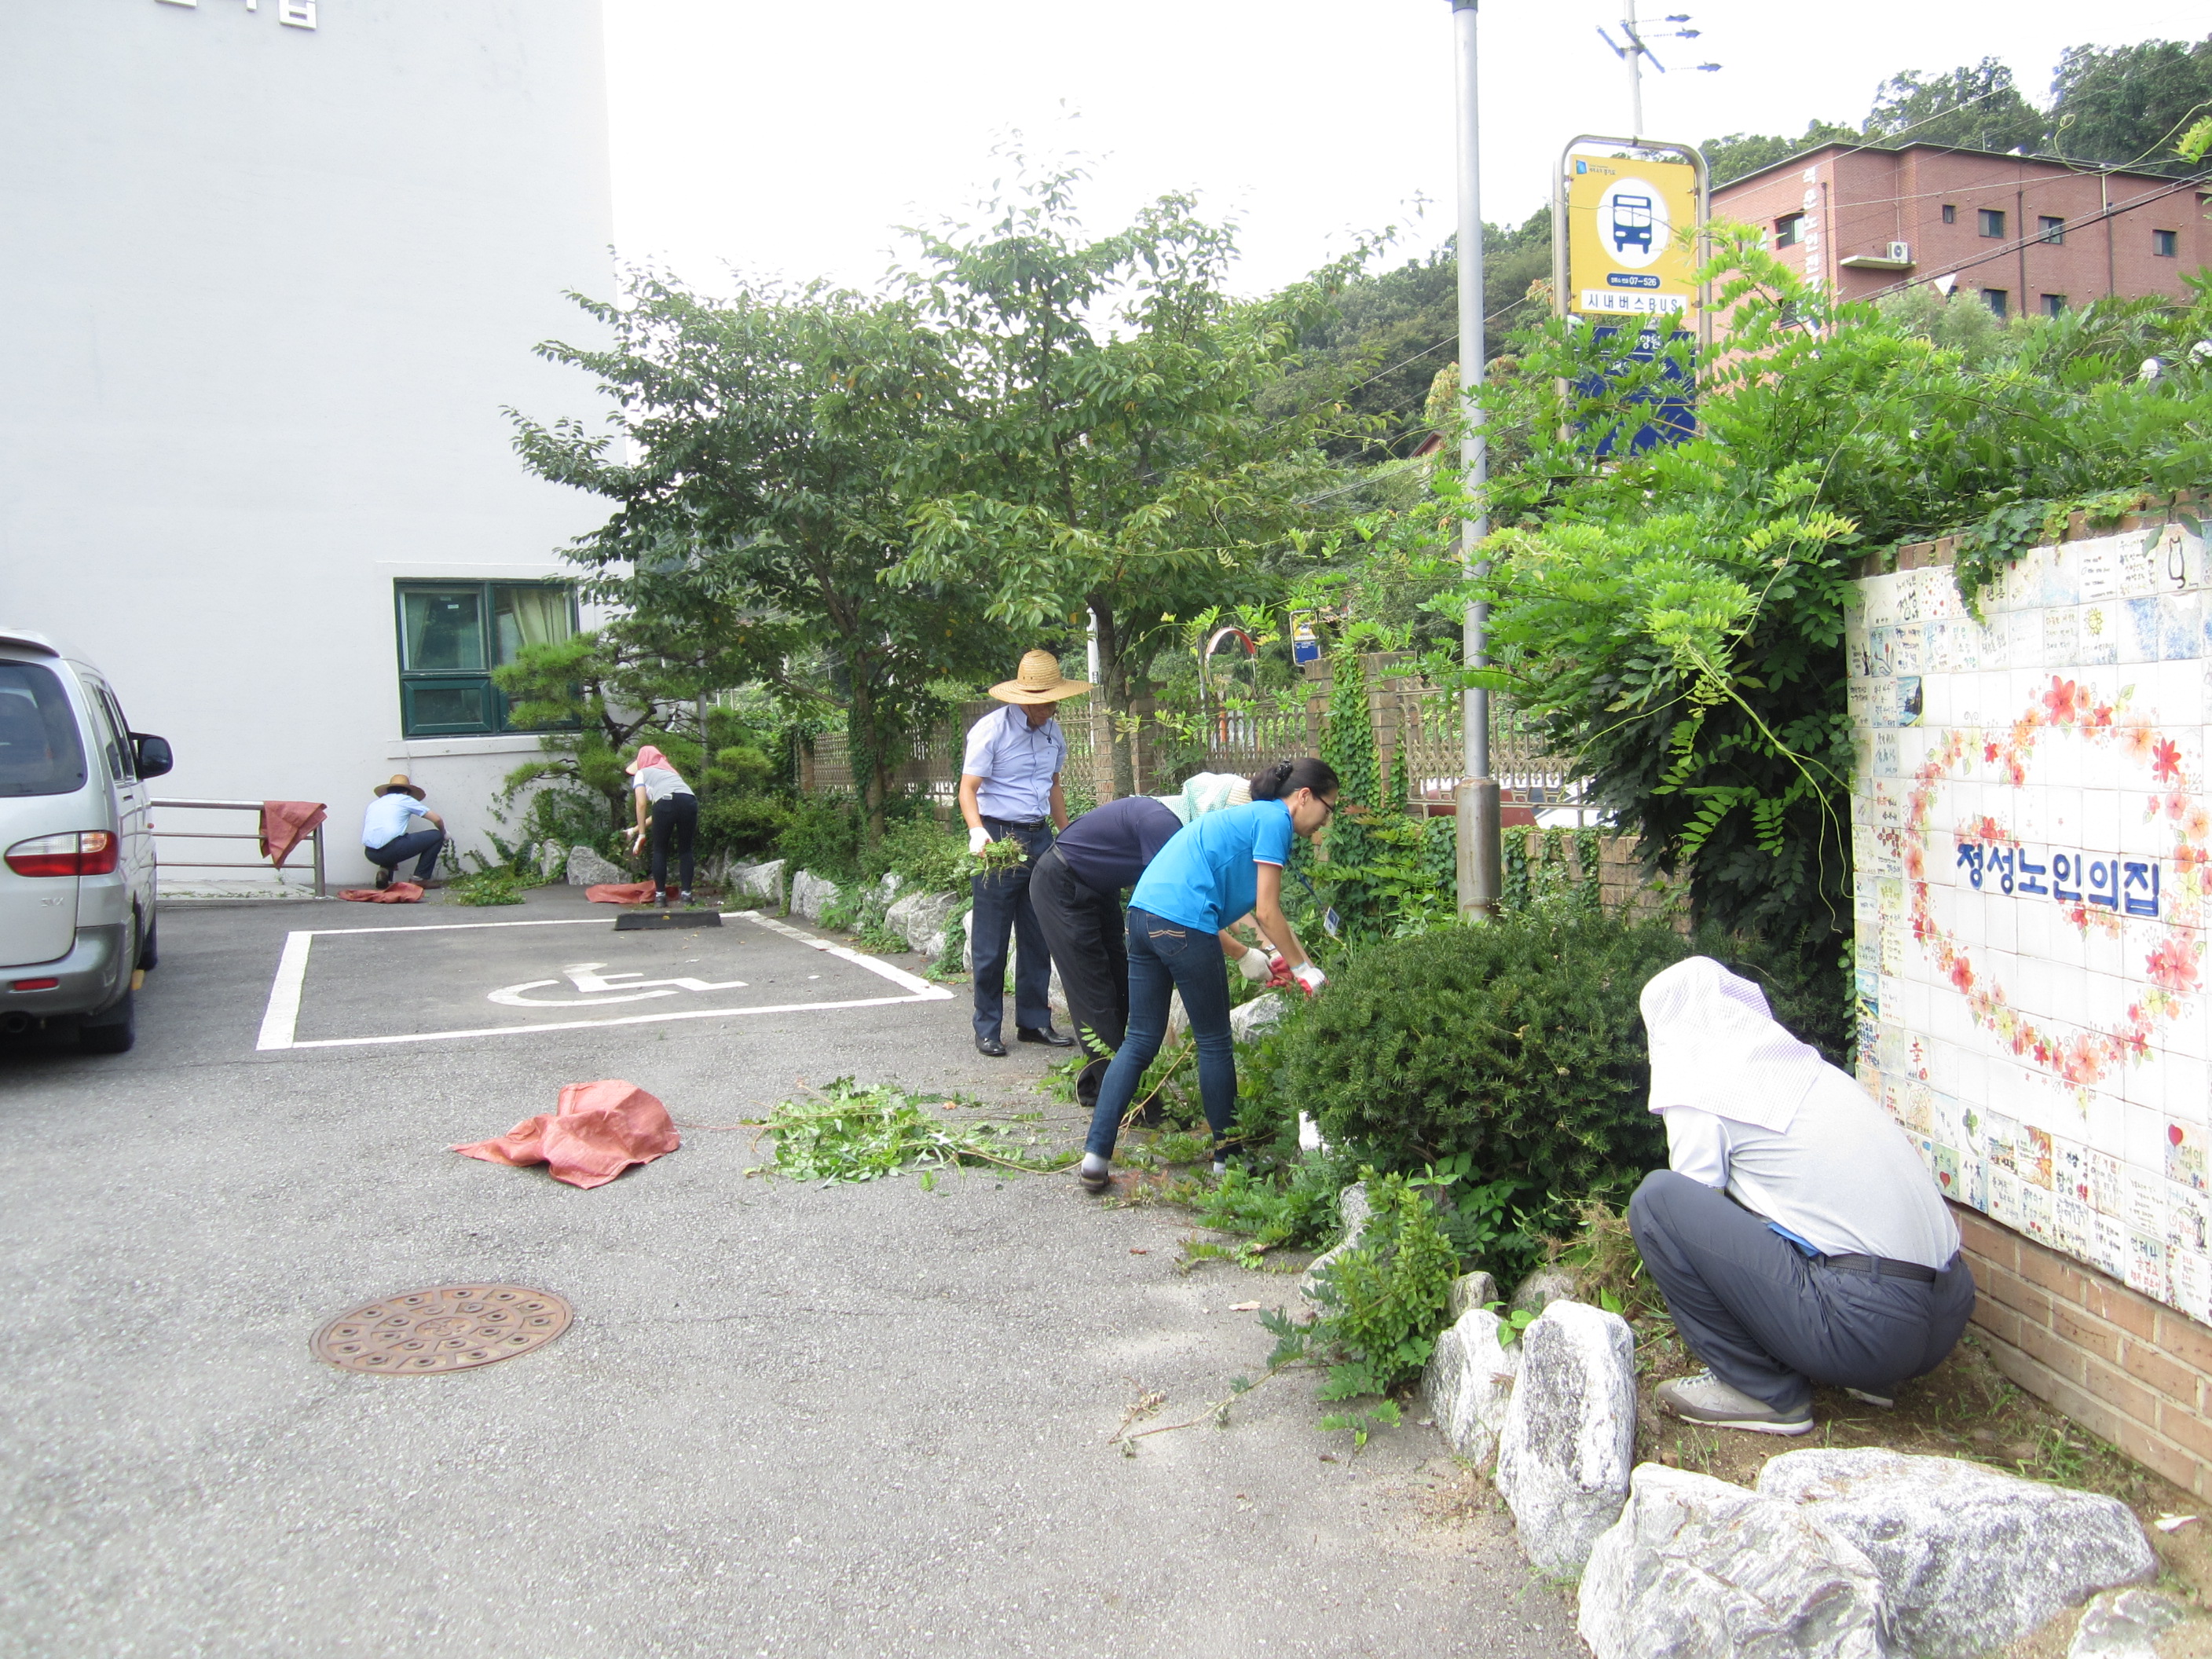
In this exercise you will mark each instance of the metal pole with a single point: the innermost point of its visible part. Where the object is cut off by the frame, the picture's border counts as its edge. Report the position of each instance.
(1481, 857)
(1635, 56)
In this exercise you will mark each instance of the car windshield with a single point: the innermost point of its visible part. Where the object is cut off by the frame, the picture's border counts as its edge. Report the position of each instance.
(39, 753)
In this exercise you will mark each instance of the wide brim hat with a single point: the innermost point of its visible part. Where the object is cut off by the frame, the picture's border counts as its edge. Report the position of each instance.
(400, 782)
(1038, 681)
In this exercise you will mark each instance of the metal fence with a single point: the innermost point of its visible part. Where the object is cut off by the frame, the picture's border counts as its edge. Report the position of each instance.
(1403, 709)
(253, 836)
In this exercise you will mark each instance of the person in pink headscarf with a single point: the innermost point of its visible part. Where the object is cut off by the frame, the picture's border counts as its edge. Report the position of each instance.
(667, 811)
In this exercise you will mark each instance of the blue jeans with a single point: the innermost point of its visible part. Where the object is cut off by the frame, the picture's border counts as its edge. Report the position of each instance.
(394, 854)
(1003, 908)
(1166, 957)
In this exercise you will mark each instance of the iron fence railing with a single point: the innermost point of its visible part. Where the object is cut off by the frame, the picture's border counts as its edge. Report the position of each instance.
(253, 835)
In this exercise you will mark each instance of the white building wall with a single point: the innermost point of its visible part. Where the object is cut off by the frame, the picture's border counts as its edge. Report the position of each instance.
(265, 290)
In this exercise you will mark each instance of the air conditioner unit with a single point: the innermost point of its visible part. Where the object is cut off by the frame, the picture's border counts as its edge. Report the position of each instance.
(1900, 254)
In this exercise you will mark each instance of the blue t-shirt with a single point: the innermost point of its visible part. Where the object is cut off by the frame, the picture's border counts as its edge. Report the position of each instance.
(1209, 874)
(1109, 846)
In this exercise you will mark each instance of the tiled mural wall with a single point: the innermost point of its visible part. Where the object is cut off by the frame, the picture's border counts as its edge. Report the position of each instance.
(2031, 825)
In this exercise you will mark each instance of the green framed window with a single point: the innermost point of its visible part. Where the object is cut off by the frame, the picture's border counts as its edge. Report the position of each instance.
(453, 634)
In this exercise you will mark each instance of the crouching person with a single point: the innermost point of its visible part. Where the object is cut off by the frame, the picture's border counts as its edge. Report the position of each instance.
(1797, 1235)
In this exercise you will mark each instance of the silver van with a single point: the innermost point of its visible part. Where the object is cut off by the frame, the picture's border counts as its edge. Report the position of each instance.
(76, 853)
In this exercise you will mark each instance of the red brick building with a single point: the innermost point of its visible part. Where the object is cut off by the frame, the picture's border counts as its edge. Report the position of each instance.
(2027, 233)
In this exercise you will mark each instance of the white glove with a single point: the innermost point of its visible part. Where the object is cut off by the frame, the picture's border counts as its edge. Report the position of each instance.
(978, 839)
(1309, 977)
(1253, 964)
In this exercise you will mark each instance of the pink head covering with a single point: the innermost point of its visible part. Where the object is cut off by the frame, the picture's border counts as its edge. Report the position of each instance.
(1714, 1046)
(647, 756)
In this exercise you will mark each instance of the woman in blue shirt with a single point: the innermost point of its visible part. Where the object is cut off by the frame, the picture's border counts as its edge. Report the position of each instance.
(1223, 865)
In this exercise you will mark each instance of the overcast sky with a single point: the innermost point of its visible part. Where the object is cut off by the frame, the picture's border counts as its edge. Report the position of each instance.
(792, 138)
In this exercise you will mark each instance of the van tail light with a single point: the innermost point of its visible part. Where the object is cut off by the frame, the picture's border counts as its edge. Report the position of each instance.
(80, 853)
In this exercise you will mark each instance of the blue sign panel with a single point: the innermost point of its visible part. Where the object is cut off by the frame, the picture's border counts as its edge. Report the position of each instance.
(1673, 418)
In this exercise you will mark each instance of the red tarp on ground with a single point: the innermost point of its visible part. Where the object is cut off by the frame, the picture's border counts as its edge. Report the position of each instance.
(400, 892)
(598, 1130)
(285, 824)
(620, 892)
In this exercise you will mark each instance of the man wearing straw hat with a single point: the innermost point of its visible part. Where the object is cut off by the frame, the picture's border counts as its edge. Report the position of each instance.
(1009, 791)
(385, 834)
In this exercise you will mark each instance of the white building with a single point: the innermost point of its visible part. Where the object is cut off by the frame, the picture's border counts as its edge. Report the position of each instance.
(269, 271)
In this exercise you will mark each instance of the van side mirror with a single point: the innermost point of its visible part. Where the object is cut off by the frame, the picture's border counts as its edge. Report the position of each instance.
(154, 755)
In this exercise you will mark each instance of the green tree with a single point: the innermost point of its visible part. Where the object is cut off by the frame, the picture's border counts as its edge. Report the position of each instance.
(2129, 105)
(1104, 452)
(757, 508)
(1742, 154)
(1973, 108)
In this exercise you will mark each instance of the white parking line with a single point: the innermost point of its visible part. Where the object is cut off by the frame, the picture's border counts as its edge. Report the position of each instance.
(280, 1021)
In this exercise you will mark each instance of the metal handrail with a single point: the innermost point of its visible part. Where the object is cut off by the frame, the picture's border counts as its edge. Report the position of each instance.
(252, 806)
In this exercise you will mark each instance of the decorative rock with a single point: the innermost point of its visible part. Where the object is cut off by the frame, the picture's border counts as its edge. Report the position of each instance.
(587, 869)
(761, 881)
(921, 919)
(2124, 1625)
(552, 858)
(1469, 1382)
(1698, 1569)
(1570, 1436)
(1352, 1206)
(810, 894)
(1543, 1288)
(1263, 1013)
(1475, 1289)
(1972, 1560)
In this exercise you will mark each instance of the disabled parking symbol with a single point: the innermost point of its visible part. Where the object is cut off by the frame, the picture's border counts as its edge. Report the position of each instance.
(596, 989)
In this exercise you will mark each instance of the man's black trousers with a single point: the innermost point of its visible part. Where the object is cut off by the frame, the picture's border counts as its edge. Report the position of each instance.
(1003, 908)
(1087, 936)
(1770, 1319)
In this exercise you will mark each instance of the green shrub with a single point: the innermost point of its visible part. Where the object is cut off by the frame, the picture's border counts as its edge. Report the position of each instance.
(1517, 1045)
(738, 825)
(824, 835)
(1383, 1301)
(926, 855)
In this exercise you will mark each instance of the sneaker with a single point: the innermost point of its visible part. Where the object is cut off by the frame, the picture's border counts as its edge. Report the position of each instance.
(659, 899)
(684, 899)
(1885, 1400)
(1703, 1398)
(383, 877)
(1096, 1174)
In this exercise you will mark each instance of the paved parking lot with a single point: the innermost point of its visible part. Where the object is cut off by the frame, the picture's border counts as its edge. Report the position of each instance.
(787, 1419)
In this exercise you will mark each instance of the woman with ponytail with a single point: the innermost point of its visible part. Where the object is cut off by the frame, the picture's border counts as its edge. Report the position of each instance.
(1223, 865)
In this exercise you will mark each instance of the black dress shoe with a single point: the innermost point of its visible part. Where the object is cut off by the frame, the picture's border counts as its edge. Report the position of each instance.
(991, 1046)
(1045, 1033)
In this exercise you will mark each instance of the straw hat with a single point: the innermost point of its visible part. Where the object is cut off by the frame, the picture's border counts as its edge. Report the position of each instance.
(399, 782)
(1039, 681)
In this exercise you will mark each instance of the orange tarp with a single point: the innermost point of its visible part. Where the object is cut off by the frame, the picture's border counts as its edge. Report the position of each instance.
(285, 824)
(598, 1130)
(620, 892)
(400, 892)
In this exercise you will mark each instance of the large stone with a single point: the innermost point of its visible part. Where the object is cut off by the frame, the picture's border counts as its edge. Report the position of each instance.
(1543, 1288)
(2124, 1625)
(921, 919)
(1469, 1383)
(1474, 1290)
(1698, 1569)
(1353, 1207)
(810, 894)
(1263, 1013)
(552, 859)
(1969, 1559)
(587, 869)
(1570, 1436)
(762, 881)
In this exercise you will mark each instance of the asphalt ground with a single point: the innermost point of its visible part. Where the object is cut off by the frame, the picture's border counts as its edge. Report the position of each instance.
(789, 1419)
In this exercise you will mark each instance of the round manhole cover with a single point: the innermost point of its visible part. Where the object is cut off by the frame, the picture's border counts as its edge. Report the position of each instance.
(446, 1329)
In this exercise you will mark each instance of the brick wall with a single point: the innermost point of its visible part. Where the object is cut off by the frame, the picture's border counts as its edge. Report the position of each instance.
(2130, 1371)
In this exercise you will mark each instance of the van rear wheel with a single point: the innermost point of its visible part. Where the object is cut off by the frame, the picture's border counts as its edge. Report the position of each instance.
(115, 1031)
(150, 948)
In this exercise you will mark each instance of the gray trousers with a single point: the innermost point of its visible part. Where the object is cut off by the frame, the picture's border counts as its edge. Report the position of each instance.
(1771, 1320)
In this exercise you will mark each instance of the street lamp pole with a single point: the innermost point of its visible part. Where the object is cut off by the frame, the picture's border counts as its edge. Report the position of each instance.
(1481, 856)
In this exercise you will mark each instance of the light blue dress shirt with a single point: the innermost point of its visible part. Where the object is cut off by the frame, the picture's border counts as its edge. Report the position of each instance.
(388, 817)
(1017, 762)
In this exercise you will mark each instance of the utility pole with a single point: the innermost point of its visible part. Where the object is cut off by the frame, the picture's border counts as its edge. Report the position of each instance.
(1481, 860)
(1637, 49)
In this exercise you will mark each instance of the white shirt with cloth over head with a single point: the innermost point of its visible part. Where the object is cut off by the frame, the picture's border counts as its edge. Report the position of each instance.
(658, 782)
(387, 819)
(1017, 762)
(1750, 1110)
